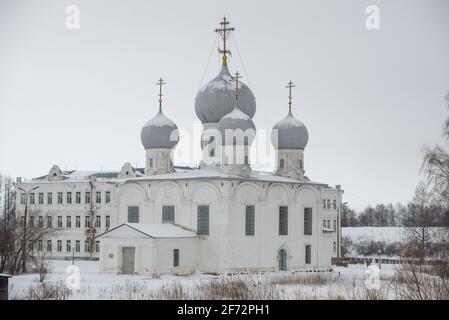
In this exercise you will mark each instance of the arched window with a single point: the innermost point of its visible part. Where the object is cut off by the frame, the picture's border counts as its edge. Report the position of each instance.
(282, 259)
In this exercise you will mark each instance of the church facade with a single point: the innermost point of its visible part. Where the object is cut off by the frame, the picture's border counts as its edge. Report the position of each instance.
(220, 217)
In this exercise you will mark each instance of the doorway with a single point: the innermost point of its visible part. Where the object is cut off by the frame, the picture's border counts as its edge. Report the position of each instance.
(128, 260)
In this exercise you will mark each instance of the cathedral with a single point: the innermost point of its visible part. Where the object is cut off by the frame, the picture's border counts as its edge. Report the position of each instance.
(219, 217)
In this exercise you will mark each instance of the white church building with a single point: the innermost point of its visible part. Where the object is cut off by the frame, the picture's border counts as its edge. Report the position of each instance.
(219, 217)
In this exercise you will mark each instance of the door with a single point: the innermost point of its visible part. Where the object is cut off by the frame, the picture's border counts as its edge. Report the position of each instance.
(282, 260)
(128, 260)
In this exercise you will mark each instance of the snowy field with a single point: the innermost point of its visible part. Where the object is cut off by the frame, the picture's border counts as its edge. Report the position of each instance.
(382, 234)
(341, 283)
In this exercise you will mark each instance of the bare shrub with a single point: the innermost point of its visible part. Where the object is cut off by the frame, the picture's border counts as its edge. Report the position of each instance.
(47, 291)
(41, 266)
(416, 281)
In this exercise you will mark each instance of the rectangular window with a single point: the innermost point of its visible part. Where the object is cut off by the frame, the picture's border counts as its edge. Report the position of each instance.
(40, 198)
(32, 221)
(97, 246)
(40, 221)
(87, 198)
(334, 247)
(49, 245)
(59, 197)
(98, 197)
(59, 221)
(324, 224)
(77, 246)
(23, 197)
(203, 220)
(308, 254)
(250, 220)
(69, 198)
(59, 246)
(31, 198)
(49, 221)
(78, 197)
(308, 221)
(108, 196)
(151, 162)
(281, 163)
(168, 214)
(328, 204)
(175, 257)
(68, 222)
(335, 225)
(86, 246)
(283, 220)
(78, 222)
(68, 246)
(108, 222)
(324, 203)
(334, 204)
(39, 245)
(328, 224)
(98, 222)
(87, 222)
(133, 214)
(49, 198)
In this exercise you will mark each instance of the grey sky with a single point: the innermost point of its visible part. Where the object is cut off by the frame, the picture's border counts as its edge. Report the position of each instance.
(370, 99)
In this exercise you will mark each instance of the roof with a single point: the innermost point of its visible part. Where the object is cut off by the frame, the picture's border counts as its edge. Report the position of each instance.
(181, 173)
(156, 230)
(85, 175)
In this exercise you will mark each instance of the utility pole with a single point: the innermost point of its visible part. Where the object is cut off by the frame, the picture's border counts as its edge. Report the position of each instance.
(91, 231)
(25, 226)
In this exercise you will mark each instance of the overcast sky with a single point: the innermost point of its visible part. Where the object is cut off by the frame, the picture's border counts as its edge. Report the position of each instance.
(371, 99)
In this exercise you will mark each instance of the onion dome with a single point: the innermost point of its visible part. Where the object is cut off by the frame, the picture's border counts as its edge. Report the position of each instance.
(236, 124)
(217, 98)
(237, 127)
(289, 133)
(159, 132)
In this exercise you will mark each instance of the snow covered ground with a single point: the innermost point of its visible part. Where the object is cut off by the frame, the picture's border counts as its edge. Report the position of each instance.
(342, 283)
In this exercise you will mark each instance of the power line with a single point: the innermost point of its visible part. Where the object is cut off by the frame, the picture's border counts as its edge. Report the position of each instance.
(208, 61)
(241, 60)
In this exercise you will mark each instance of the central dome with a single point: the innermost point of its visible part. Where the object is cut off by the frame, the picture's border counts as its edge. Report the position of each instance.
(238, 125)
(217, 98)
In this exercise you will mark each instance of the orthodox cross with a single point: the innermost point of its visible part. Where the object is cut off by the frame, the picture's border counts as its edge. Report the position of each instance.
(224, 31)
(160, 83)
(237, 76)
(290, 86)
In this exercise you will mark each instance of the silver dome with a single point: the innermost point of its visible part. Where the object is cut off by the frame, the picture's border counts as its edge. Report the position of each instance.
(159, 132)
(217, 98)
(238, 124)
(291, 134)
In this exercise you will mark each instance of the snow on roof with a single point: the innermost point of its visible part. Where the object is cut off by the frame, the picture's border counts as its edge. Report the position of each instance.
(156, 230)
(217, 174)
(181, 173)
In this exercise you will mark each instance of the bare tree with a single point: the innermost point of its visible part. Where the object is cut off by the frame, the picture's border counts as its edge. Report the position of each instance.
(436, 166)
(420, 222)
(15, 253)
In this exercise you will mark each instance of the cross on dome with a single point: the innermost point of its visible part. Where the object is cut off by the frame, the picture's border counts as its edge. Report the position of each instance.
(160, 83)
(290, 85)
(224, 32)
(236, 77)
